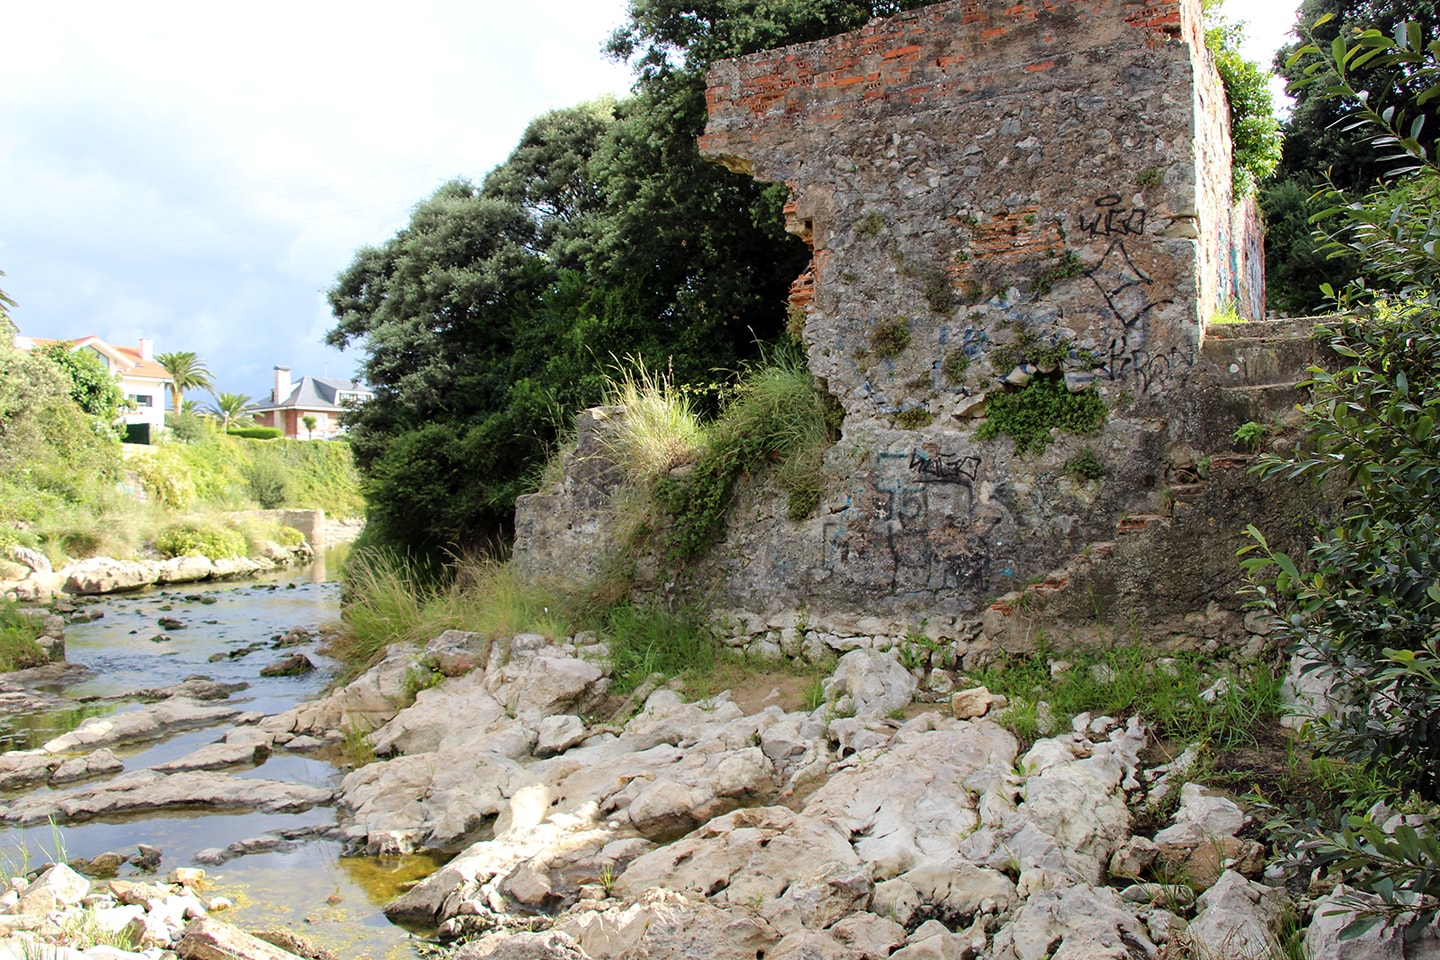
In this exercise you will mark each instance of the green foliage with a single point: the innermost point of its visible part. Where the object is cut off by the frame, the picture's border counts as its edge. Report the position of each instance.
(187, 427)
(954, 366)
(256, 433)
(1066, 266)
(309, 420)
(646, 640)
(1254, 129)
(776, 418)
(269, 483)
(1085, 466)
(1028, 415)
(1128, 681)
(1149, 177)
(420, 676)
(52, 457)
(1324, 148)
(1250, 434)
(231, 408)
(192, 538)
(18, 634)
(659, 431)
(187, 372)
(1366, 606)
(914, 418)
(890, 337)
(93, 388)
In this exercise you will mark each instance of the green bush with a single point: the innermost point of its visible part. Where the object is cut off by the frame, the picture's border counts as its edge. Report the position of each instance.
(269, 483)
(1045, 403)
(256, 433)
(777, 418)
(18, 634)
(193, 538)
(187, 427)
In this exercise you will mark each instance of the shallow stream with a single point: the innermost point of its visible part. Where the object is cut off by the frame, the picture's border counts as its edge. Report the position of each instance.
(227, 635)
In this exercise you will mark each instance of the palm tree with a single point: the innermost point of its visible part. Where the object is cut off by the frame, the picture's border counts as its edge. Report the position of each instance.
(230, 406)
(187, 372)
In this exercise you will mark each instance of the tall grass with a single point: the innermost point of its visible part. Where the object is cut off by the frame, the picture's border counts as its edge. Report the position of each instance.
(18, 634)
(659, 430)
(391, 598)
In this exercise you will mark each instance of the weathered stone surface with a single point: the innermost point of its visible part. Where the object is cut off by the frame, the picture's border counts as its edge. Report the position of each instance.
(558, 734)
(368, 701)
(457, 652)
(147, 723)
(295, 665)
(211, 939)
(1201, 816)
(1237, 918)
(551, 945)
(449, 715)
(1073, 923)
(53, 890)
(913, 802)
(968, 704)
(96, 764)
(876, 682)
(668, 926)
(1332, 913)
(148, 790)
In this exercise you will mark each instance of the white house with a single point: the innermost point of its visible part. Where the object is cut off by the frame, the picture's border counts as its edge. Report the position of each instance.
(142, 380)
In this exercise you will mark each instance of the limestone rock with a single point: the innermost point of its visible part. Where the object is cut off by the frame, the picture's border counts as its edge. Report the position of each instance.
(1202, 816)
(1332, 913)
(668, 926)
(99, 763)
(953, 892)
(55, 889)
(1237, 918)
(147, 723)
(558, 734)
(1073, 923)
(551, 945)
(105, 575)
(875, 681)
(148, 790)
(211, 939)
(913, 802)
(968, 704)
(455, 713)
(457, 652)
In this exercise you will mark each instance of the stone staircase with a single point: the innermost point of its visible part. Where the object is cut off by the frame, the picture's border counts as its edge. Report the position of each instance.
(1253, 371)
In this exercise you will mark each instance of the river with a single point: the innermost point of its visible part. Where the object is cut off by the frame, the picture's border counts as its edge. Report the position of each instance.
(227, 634)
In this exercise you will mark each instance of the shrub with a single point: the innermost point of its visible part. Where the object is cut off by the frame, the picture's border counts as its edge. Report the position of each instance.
(256, 433)
(204, 539)
(777, 418)
(890, 338)
(1029, 414)
(187, 427)
(18, 633)
(269, 483)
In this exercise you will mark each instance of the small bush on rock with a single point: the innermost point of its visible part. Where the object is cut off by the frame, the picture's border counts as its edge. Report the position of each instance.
(203, 539)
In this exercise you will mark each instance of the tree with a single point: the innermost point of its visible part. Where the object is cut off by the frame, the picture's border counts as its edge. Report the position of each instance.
(1322, 148)
(92, 386)
(230, 407)
(309, 421)
(187, 372)
(1254, 128)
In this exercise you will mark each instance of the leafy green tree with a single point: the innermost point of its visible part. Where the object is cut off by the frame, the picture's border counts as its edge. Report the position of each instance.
(1323, 147)
(187, 372)
(230, 408)
(310, 421)
(92, 386)
(1254, 128)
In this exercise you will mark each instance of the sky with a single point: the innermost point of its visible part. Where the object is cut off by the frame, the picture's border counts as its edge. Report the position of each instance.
(199, 173)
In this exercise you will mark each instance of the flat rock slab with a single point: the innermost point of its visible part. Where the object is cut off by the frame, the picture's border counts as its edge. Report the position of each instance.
(216, 755)
(148, 723)
(149, 790)
(211, 939)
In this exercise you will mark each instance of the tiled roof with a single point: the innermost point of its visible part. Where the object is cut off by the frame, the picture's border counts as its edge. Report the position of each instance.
(127, 358)
(317, 393)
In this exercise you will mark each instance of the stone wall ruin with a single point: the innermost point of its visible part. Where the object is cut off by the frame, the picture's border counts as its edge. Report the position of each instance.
(998, 193)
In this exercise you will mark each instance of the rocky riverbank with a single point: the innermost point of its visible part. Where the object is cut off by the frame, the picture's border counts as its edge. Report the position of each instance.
(32, 579)
(698, 829)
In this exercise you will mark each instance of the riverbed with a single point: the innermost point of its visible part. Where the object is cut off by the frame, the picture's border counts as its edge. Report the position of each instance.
(226, 632)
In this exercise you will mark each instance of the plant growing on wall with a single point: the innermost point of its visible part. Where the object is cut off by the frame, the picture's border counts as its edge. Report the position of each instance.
(1044, 404)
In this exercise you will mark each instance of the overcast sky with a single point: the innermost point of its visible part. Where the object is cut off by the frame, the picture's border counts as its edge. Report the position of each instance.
(199, 173)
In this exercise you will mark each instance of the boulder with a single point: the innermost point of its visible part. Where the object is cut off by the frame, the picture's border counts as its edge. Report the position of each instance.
(457, 652)
(662, 925)
(150, 722)
(551, 945)
(1073, 923)
(100, 763)
(105, 575)
(968, 704)
(366, 702)
(558, 734)
(915, 801)
(54, 890)
(211, 939)
(1332, 913)
(295, 665)
(1237, 918)
(952, 892)
(453, 714)
(876, 682)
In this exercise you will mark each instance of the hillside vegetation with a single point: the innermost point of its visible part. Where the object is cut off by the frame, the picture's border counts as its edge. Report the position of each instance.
(68, 490)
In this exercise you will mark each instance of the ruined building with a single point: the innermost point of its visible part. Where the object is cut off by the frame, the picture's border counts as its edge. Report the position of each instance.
(1000, 197)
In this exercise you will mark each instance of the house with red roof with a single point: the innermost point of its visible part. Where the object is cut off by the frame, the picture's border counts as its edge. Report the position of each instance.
(142, 380)
(323, 398)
